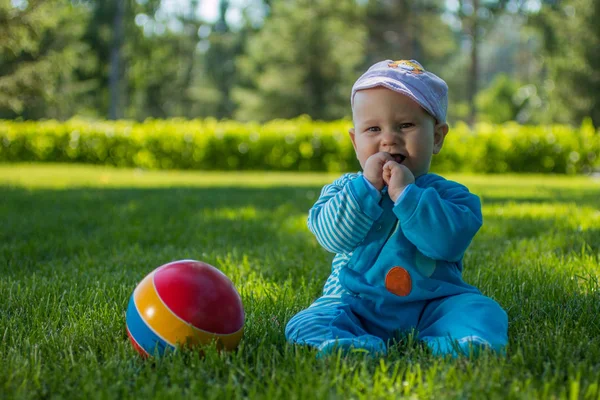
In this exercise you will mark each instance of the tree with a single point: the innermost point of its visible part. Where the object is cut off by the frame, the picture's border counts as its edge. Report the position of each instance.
(40, 55)
(506, 99)
(115, 40)
(219, 61)
(167, 67)
(407, 29)
(572, 58)
(475, 19)
(115, 60)
(303, 61)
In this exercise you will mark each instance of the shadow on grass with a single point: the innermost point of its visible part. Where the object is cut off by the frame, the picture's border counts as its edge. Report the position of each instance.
(46, 225)
(267, 224)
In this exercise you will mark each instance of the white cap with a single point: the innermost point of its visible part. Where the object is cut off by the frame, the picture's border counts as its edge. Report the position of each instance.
(408, 77)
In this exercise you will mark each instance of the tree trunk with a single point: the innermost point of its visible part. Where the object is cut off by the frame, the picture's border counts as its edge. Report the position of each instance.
(474, 75)
(192, 21)
(115, 58)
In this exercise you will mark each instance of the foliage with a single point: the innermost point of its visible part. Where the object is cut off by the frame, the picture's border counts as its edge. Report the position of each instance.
(144, 58)
(503, 100)
(572, 38)
(264, 59)
(511, 147)
(210, 145)
(289, 145)
(34, 40)
(74, 247)
(224, 46)
(409, 30)
(303, 61)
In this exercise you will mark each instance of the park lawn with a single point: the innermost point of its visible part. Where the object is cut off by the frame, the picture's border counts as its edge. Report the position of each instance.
(75, 240)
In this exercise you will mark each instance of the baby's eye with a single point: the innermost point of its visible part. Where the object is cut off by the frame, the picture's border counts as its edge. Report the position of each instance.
(373, 129)
(406, 125)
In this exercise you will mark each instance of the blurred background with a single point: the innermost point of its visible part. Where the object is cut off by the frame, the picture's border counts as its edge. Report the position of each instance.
(530, 61)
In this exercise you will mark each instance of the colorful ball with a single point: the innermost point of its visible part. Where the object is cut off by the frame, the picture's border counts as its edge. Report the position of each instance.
(184, 302)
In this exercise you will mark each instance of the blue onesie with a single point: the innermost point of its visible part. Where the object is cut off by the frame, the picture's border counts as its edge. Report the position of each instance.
(398, 268)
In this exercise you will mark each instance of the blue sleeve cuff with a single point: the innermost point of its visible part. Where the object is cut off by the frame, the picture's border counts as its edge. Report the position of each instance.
(407, 202)
(372, 190)
(404, 193)
(366, 199)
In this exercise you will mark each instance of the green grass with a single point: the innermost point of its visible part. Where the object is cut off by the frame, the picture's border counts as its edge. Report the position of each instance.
(75, 240)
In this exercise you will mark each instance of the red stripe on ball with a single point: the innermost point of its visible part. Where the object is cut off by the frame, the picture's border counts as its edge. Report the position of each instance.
(201, 295)
(136, 346)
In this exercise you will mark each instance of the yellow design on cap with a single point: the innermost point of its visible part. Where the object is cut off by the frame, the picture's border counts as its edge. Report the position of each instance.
(408, 66)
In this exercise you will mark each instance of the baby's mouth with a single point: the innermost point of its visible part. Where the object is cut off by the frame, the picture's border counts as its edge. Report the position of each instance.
(399, 158)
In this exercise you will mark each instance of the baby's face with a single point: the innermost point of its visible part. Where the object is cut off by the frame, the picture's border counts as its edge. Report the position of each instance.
(387, 121)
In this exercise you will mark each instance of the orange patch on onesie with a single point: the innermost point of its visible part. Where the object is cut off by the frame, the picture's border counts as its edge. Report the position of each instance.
(398, 281)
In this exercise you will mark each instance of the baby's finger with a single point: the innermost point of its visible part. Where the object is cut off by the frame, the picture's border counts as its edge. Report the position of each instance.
(385, 156)
(386, 176)
(390, 164)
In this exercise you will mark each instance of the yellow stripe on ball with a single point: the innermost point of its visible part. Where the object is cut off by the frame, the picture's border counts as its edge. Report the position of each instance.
(170, 327)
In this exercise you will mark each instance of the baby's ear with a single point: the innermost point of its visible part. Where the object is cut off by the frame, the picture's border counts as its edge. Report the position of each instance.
(351, 132)
(439, 134)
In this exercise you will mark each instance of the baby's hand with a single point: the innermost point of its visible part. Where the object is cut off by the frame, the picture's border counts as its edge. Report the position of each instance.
(373, 170)
(397, 177)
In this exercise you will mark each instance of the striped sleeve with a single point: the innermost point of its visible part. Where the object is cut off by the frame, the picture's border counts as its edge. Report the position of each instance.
(343, 214)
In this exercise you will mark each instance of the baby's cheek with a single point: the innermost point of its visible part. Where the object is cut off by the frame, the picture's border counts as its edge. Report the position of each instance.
(363, 156)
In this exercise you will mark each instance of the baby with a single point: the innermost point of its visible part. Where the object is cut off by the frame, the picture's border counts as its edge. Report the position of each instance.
(398, 231)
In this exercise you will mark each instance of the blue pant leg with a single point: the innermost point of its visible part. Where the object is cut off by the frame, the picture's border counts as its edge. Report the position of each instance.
(329, 324)
(463, 323)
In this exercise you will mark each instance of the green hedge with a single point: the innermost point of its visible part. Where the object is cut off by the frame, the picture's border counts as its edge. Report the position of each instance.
(290, 145)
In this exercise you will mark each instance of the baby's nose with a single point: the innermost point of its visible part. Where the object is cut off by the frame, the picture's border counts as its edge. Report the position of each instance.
(388, 138)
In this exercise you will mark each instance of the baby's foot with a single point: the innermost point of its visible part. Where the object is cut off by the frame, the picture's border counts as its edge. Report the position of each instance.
(371, 345)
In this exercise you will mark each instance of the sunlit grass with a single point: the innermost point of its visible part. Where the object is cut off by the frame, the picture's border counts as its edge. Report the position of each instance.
(75, 240)
(58, 176)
